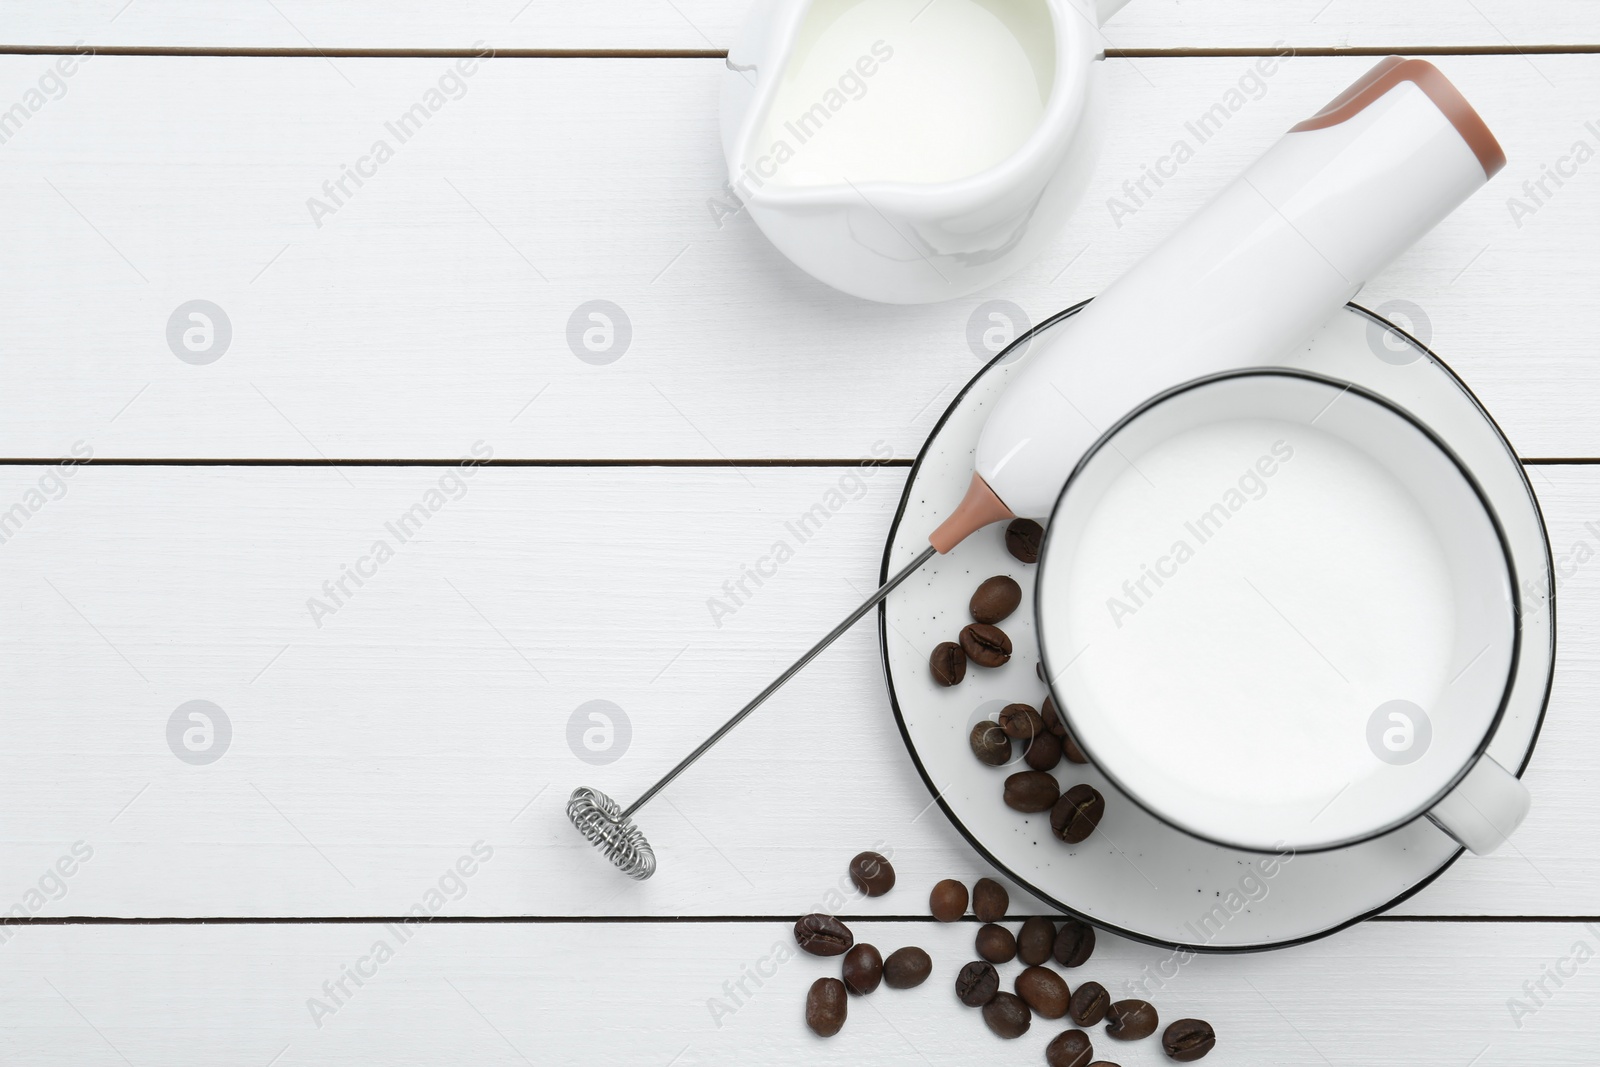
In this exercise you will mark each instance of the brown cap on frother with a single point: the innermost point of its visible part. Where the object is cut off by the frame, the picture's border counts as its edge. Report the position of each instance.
(977, 509)
(1427, 77)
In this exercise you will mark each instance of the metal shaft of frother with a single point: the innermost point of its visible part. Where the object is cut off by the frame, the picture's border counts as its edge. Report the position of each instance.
(777, 683)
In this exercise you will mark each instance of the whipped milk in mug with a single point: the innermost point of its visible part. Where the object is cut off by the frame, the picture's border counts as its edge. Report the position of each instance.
(1250, 594)
(1276, 611)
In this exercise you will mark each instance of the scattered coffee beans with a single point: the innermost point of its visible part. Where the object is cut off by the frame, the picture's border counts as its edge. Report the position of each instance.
(1074, 946)
(1090, 1001)
(1188, 1039)
(1074, 816)
(948, 901)
(1130, 1020)
(907, 968)
(985, 645)
(1044, 991)
(990, 900)
(823, 935)
(826, 1006)
(1007, 1015)
(995, 943)
(872, 874)
(977, 984)
(1071, 1048)
(1021, 722)
(990, 744)
(1035, 939)
(1022, 539)
(995, 599)
(1032, 791)
(1043, 752)
(948, 663)
(1039, 989)
(863, 969)
(1077, 813)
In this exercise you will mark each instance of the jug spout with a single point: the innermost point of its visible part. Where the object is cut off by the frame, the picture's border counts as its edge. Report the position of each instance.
(1104, 9)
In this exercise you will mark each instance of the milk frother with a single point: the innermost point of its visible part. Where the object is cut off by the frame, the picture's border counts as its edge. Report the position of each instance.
(1289, 241)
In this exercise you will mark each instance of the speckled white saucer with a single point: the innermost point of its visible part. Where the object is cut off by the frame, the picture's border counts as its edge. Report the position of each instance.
(1138, 875)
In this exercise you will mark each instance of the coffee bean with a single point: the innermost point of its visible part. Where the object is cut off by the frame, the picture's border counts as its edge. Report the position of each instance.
(872, 874)
(995, 943)
(1021, 722)
(1031, 791)
(1043, 752)
(1071, 1048)
(1022, 539)
(996, 598)
(826, 1007)
(1089, 1004)
(990, 744)
(863, 969)
(1074, 945)
(1007, 1016)
(1052, 718)
(907, 968)
(948, 663)
(1103, 1063)
(990, 900)
(1058, 726)
(1077, 813)
(948, 901)
(985, 645)
(977, 984)
(1045, 992)
(1130, 1020)
(1070, 749)
(1188, 1039)
(1035, 940)
(823, 935)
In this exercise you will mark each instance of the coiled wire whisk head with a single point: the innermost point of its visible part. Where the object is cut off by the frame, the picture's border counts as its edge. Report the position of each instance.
(600, 819)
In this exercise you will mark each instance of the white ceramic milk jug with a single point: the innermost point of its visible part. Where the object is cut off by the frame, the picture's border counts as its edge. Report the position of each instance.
(907, 151)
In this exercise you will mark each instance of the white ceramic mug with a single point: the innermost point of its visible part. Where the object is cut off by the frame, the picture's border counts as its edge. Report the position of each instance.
(1279, 613)
(1317, 755)
(834, 196)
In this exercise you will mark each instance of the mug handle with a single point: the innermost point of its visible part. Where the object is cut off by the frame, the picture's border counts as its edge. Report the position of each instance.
(1484, 808)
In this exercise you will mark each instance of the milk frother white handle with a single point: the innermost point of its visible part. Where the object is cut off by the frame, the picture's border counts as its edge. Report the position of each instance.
(1484, 808)
(1246, 280)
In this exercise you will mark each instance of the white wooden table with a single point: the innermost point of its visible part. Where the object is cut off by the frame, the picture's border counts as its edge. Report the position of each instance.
(173, 911)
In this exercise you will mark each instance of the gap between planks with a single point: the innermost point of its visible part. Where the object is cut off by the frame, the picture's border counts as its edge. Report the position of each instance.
(846, 461)
(565, 920)
(709, 53)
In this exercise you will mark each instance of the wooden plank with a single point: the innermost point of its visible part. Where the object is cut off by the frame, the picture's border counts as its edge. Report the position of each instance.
(432, 308)
(645, 993)
(431, 707)
(699, 24)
